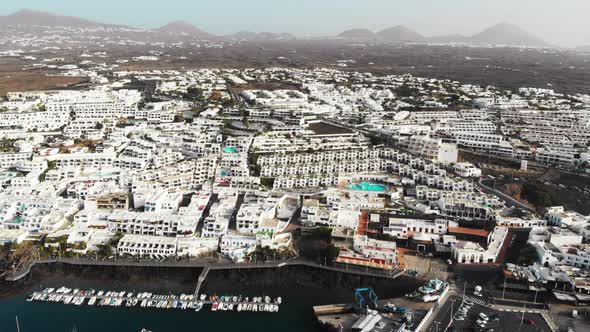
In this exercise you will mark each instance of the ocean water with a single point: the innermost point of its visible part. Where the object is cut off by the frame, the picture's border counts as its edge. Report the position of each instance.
(300, 289)
(295, 315)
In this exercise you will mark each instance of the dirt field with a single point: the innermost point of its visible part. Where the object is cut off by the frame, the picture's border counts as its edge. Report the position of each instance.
(509, 68)
(33, 81)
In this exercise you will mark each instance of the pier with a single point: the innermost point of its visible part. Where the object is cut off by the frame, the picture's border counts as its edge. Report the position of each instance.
(202, 278)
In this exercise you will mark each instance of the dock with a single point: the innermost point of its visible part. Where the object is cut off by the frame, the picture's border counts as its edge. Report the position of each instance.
(202, 278)
(332, 309)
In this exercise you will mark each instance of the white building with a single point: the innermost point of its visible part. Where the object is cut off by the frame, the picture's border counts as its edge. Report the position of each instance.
(467, 170)
(147, 245)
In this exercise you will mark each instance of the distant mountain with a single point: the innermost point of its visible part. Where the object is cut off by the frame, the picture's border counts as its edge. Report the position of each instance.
(261, 36)
(499, 34)
(33, 17)
(361, 34)
(183, 28)
(449, 39)
(507, 34)
(400, 34)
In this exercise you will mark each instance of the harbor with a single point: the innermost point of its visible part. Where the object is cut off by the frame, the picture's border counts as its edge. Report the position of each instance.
(301, 288)
(193, 302)
(370, 313)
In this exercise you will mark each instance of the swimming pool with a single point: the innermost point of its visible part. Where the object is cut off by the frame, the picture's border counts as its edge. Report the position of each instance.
(366, 186)
(229, 150)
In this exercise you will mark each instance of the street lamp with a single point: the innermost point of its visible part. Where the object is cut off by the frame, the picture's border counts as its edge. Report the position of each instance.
(437, 324)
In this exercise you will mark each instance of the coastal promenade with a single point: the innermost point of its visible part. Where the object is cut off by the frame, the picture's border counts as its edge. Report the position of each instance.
(210, 264)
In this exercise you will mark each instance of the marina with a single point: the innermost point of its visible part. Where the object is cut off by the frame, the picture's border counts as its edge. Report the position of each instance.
(193, 302)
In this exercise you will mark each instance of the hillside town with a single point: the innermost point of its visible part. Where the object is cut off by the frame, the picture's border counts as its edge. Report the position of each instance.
(244, 164)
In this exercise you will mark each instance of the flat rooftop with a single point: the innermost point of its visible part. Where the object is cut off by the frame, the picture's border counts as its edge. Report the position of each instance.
(469, 231)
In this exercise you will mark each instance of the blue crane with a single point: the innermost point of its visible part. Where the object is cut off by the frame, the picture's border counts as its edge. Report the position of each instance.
(361, 300)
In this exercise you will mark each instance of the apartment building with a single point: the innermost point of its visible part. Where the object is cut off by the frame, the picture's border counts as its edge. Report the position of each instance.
(146, 245)
(467, 170)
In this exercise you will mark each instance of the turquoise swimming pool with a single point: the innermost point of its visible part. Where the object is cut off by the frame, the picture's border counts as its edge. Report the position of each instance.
(229, 150)
(366, 186)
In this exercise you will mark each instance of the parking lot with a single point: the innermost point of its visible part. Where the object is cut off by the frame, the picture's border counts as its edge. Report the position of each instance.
(466, 317)
(498, 321)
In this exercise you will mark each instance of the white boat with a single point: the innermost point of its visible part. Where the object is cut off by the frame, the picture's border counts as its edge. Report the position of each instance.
(430, 297)
(199, 306)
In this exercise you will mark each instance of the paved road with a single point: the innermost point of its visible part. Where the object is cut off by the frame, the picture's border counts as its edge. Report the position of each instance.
(504, 196)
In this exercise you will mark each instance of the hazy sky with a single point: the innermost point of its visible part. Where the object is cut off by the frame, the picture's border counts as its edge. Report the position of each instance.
(563, 22)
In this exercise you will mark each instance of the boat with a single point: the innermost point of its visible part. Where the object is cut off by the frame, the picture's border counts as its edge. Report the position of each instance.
(430, 297)
(395, 309)
(199, 306)
(433, 286)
